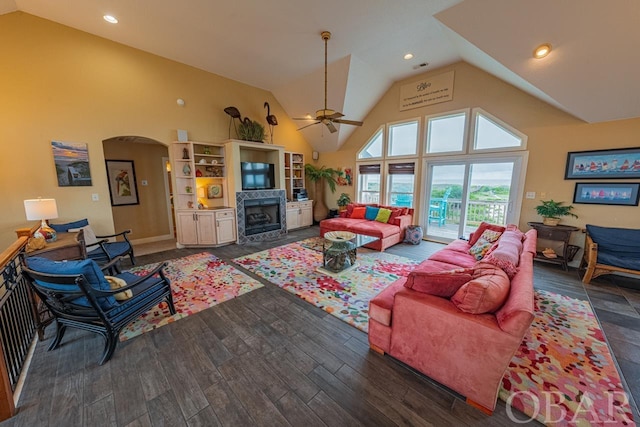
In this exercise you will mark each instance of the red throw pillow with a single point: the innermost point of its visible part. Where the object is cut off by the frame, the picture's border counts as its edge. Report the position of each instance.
(485, 293)
(438, 283)
(481, 228)
(358, 212)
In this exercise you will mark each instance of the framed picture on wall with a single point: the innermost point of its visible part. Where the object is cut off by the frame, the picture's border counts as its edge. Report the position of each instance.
(122, 182)
(607, 193)
(72, 164)
(621, 163)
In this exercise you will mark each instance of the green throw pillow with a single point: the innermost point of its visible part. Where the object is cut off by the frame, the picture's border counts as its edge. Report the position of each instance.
(383, 215)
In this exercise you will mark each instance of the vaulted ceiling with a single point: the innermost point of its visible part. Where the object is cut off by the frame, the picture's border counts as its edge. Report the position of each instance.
(276, 45)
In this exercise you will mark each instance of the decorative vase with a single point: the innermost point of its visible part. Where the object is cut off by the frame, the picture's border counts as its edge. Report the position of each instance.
(552, 222)
(320, 210)
(186, 169)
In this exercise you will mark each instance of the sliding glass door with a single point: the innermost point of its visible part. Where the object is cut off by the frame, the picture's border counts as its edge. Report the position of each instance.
(463, 193)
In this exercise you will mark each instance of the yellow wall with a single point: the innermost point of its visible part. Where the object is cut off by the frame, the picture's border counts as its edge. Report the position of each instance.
(551, 135)
(149, 218)
(62, 84)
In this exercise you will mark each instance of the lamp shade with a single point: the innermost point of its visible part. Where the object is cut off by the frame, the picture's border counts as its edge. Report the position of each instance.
(38, 209)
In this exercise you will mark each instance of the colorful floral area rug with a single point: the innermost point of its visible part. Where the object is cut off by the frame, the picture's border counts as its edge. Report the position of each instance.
(344, 295)
(197, 282)
(562, 375)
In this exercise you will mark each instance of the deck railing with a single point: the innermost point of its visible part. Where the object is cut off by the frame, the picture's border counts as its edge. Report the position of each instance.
(478, 211)
(17, 325)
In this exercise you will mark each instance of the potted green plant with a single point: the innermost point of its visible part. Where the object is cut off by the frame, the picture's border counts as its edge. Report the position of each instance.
(343, 201)
(551, 211)
(250, 130)
(319, 176)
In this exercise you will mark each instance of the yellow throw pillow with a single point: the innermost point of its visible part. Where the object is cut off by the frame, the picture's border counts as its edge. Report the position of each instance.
(383, 215)
(117, 283)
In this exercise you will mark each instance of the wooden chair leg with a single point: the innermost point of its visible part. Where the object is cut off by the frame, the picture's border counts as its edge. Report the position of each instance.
(479, 407)
(376, 349)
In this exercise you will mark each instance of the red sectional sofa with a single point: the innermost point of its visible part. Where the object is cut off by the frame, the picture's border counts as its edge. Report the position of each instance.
(465, 340)
(389, 233)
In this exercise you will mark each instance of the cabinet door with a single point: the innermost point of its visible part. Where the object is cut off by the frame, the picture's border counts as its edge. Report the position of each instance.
(206, 228)
(226, 226)
(186, 225)
(306, 214)
(293, 216)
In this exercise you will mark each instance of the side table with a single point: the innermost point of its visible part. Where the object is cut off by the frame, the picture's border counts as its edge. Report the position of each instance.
(558, 233)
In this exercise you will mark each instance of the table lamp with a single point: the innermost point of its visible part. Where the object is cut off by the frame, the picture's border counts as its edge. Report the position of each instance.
(42, 209)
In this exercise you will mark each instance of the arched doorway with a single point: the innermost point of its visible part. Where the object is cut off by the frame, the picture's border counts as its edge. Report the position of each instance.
(151, 219)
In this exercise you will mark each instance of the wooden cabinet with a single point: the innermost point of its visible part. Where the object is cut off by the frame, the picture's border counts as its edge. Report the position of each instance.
(293, 173)
(299, 214)
(225, 226)
(200, 193)
(206, 228)
(196, 228)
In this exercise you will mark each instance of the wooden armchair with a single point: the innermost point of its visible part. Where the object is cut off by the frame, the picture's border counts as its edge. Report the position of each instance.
(79, 296)
(609, 250)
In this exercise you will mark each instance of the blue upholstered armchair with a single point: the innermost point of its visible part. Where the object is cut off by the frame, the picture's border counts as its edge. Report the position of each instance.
(610, 250)
(99, 248)
(78, 295)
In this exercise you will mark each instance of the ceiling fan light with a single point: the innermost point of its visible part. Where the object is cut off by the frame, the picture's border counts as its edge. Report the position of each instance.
(542, 51)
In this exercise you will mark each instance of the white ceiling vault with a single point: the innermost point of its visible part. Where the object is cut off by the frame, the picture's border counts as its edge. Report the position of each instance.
(276, 45)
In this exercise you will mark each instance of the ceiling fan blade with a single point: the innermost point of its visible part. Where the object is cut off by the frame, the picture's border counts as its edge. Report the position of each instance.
(335, 115)
(304, 118)
(348, 122)
(331, 127)
(308, 125)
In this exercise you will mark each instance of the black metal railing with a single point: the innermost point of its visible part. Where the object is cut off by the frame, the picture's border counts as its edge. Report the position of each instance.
(17, 324)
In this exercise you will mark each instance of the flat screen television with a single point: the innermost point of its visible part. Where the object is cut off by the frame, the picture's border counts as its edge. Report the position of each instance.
(257, 176)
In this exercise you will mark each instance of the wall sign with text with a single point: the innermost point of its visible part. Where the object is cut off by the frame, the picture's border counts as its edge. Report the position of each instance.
(425, 92)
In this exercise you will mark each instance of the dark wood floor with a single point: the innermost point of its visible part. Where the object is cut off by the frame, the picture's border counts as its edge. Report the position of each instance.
(269, 358)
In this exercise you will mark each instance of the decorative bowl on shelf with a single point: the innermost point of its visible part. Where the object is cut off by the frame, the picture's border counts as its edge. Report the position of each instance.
(339, 236)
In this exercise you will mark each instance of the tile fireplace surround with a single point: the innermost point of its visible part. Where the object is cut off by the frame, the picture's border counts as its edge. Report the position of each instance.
(241, 196)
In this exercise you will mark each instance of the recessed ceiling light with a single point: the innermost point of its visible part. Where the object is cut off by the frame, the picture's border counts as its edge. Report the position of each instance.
(542, 51)
(110, 19)
(408, 56)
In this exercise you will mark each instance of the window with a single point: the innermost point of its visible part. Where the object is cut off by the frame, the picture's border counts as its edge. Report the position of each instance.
(373, 148)
(403, 139)
(493, 134)
(401, 184)
(369, 183)
(446, 133)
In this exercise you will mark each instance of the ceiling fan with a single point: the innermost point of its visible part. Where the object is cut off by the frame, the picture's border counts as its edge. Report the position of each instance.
(326, 116)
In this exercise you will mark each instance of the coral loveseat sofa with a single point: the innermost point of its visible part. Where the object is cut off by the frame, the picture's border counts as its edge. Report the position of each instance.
(460, 341)
(390, 232)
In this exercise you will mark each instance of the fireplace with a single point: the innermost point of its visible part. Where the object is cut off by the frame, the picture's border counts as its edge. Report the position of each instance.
(261, 215)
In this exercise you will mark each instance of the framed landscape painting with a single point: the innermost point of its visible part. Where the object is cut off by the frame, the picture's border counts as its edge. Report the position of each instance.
(607, 193)
(122, 182)
(72, 164)
(621, 163)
